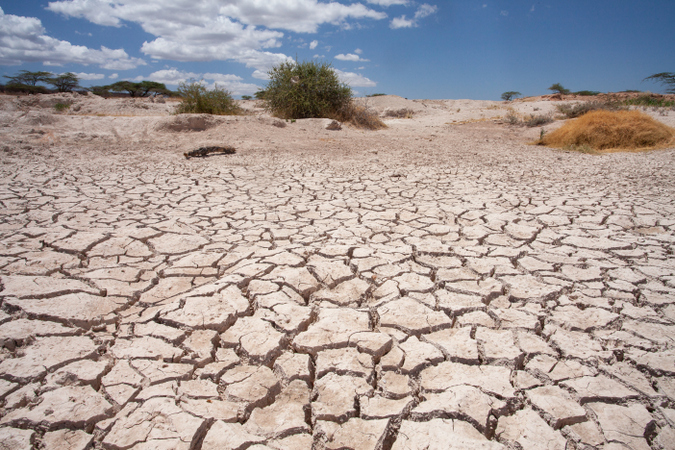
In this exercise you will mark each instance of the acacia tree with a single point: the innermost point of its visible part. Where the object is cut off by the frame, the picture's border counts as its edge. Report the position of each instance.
(29, 78)
(559, 89)
(142, 89)
(667, 78)
(65, 82)
(510, 95)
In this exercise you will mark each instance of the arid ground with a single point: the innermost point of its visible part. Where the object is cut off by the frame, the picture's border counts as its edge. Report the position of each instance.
(437, 284)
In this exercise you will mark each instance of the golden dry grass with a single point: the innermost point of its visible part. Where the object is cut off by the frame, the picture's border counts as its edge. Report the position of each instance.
(612, 131)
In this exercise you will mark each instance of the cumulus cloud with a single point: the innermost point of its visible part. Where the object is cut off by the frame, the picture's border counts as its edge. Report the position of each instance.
(90, 76)
(113, 76)
(210, 30)
(389, 2)
(350, 57)
(24, 39)
(232, 83)
(354, 79)
(424, 10)
(313, 45)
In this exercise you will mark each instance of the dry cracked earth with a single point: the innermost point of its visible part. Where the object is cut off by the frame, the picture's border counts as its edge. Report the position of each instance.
(501, 297)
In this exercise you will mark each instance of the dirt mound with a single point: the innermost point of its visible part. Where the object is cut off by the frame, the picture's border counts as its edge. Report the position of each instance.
(37, 117)
(612, 130)
(189, 122)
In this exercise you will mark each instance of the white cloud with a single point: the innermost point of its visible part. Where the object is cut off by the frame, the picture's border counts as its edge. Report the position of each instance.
(113, 76)
(389, 2)
(313, 44)
(90, 76)
(23, 39)
(260, 75)
(402, 22)
(354, 79)
(209, 30)
(232, 83)
(424, 10)
(504, 13)
(358, 51)
(350, 57)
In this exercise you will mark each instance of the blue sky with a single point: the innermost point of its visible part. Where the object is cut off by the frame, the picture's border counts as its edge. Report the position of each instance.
(415, 49)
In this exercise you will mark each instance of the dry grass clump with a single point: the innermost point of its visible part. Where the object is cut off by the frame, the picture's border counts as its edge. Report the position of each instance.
(403, 113)
(361, 117)
(611, 130)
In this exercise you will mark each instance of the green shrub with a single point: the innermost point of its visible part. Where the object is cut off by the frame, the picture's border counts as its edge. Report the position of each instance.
(198, 99)
(60, 107)
(649, 101)
(537, 121)
(246, 97)
(305, 90)
(587, 93)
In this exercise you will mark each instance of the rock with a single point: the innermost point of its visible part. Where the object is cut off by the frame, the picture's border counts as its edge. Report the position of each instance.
(459, 401)
(412, 317)
(70, 406)
(492, 379)
(47, 353)
(625, 425)
(441, 434)
(336, 397)
(67, 440)
(333, 329)
(359, 434)
(529, 430)
(558, 404)
(285, 416)
(155, 422)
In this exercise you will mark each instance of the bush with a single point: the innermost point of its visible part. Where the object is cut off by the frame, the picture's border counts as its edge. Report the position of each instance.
(199, 100)
(305, 90)
(587, 93)
(650, 101)
(60, 107)
(579, 109)
(312, 90)
(403, 113)
(537, 121)
(607, 130)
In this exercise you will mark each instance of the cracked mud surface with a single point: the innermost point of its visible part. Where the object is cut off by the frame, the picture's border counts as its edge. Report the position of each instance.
(427, 286)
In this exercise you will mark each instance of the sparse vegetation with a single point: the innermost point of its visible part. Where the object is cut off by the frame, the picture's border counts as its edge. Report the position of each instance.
(140, 89)
(197, 99)
(66, 82)
(510, 95)
(649, 101)
(27, 82)
(60, 107)
(246, 97)
(571, 111)
(538, 120)
(587, 93)
(666, 78)
(611, 130)
(559, 89)
(301, 90)
(375, 95)
(403, 113)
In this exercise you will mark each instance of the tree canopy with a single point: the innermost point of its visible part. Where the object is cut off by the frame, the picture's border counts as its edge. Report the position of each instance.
(667, 78)
(141, 89)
